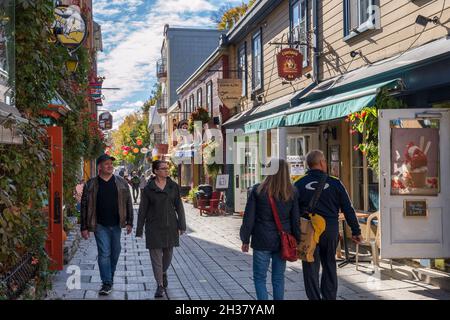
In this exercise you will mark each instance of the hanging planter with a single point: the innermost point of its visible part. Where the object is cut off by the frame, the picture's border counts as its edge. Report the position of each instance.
(201, 114)
(365, 123)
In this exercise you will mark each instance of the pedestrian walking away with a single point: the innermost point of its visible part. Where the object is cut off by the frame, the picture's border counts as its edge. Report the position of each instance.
(135, 184)
(106, 208)
(161, 212)
(333, 199)
(260, 227)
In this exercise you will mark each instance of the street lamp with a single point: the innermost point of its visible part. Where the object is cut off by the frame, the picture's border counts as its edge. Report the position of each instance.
(72, 63)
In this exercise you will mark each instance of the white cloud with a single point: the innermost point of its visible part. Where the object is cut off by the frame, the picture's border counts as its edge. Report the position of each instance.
(182, 6)
(120, 115)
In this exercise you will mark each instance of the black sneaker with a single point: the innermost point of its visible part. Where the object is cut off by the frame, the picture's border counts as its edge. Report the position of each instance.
(159, 292)
(165, 282)
(105, 290)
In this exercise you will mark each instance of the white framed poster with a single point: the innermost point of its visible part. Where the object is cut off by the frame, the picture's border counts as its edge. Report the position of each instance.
(222, 181)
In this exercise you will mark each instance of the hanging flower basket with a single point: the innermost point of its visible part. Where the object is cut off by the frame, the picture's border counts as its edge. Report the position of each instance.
(201, 114)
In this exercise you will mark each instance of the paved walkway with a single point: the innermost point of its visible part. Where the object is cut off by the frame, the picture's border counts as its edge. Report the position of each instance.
(210, 265)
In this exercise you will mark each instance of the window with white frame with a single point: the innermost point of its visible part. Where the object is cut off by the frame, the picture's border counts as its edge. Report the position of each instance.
(209, 97)
(360, 15)
(199, 98)
(191, 103)
(365, 183)
(257, 61)
(299, 27)
(185, 109)
(242, 67)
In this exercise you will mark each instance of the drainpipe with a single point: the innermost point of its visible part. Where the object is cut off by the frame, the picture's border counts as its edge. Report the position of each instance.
(315, 14)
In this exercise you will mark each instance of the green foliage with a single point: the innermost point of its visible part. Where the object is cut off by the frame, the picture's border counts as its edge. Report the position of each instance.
(25, 169)
(191, 195)
(366, 124)
(231, 16)
(201, 114)
(134, 128)
(173, 170)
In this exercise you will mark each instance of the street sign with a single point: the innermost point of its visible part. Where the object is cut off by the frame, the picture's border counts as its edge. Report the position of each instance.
(290, 64)
(105, 121)
(229, 91)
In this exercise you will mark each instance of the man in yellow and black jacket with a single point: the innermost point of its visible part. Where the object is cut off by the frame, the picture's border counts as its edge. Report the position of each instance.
(333, 199)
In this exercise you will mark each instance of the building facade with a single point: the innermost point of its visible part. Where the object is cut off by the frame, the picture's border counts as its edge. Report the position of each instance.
(182, 51)
(355, 55)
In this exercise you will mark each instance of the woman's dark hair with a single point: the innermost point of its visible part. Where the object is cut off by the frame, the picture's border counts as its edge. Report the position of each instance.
(156, 165)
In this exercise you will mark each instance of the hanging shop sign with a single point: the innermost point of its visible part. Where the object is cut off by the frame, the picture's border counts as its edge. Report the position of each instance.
(105, 121)
(69, 28)
(290, 64)
(229, 91)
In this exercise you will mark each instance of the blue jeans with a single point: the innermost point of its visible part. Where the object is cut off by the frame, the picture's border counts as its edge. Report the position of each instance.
(108, 245)
(261, 261)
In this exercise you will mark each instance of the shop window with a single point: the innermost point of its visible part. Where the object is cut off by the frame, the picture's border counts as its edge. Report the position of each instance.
(360, 16)
(364, 184)
(199, 98)
(257, 61)
(242, 67)
(300, 28)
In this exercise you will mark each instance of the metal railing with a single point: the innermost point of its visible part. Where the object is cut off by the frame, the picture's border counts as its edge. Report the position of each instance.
(15, 281)
(161, 103)
(158, 138)
(161, 68)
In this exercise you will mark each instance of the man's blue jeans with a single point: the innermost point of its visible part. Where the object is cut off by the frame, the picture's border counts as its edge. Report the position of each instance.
(261, 261)
(108, 245)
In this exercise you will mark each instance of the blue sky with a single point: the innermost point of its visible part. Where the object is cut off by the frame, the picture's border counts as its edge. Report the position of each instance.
(132, 33)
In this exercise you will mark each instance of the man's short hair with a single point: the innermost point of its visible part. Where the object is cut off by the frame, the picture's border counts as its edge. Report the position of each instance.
(314, 157)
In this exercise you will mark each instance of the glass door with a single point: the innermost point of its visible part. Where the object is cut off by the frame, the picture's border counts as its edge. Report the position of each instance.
(298, 147)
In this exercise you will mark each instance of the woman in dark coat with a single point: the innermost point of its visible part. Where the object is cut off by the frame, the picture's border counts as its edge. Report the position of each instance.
(259, 226)
(161, 211)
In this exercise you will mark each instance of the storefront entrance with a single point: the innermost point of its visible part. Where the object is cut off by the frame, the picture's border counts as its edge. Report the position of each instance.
(247, 171)
(298, 146)
(415, 183)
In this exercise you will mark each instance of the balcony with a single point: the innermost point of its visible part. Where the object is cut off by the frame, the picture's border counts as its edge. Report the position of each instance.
(161, 69)
(161, 104)
(158, 138)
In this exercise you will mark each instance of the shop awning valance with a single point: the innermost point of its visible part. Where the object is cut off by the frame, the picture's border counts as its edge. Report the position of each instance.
(325, 109)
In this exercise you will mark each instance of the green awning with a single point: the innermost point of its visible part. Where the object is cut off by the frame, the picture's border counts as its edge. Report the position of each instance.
(265, 123)
(330, 112)
(329, 108)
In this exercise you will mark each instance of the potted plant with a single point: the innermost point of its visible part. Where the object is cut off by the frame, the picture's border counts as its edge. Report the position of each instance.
(201, 114)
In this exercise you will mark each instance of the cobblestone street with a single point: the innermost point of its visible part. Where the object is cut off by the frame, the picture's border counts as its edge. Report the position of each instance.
(209, 265)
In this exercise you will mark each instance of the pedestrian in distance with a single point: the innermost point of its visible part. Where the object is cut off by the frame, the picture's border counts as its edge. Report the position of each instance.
(142, 183)
(332, 197)
(135, 182)
(260, 227)
(106, 208)
(161, 211)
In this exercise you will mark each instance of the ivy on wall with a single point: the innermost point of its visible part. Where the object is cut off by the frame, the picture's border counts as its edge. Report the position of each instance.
(25, 169)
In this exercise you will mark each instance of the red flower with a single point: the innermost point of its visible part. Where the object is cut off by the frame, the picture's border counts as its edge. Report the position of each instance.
(34, 261)
(356, 148)
(363, 114)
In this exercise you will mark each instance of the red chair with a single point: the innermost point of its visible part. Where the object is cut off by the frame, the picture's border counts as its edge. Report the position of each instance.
(210, 206)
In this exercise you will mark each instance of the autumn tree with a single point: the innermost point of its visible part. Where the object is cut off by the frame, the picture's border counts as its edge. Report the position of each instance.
(228, 16)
